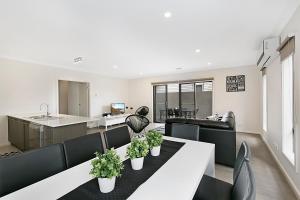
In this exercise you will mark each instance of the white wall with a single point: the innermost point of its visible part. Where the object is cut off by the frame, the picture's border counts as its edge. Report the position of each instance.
(245, 105)
(274, 100)
(24, 86)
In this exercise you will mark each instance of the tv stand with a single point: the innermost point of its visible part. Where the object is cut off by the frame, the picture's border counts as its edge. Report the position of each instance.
(113, 120)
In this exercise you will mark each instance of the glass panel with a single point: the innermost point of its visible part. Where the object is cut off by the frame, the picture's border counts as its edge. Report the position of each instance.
(180, 100)
(173, 100)
(160, 103)
(288, 108)
(264, 81)
(187, 100)
(203, 100)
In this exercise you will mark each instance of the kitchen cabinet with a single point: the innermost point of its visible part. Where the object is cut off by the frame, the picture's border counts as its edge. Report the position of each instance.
(26, 135)
(16, 132)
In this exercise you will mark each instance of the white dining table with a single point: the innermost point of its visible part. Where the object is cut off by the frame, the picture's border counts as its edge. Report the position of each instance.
(177, 179)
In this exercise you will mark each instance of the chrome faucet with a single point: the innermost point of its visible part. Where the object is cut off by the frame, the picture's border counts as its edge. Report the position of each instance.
(44, 104)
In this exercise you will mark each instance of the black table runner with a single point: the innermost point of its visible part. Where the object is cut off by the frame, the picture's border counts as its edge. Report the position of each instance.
(130, 179)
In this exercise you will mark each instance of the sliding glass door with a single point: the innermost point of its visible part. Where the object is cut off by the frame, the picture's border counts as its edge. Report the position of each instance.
(160, 103)
(184, 100)
(203, 99)
(187, 99)
(173, 100)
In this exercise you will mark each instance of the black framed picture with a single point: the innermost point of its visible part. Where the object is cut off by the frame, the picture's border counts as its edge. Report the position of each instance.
(235, 83)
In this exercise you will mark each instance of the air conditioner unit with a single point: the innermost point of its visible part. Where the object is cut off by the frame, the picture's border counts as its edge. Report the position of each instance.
(268, 52)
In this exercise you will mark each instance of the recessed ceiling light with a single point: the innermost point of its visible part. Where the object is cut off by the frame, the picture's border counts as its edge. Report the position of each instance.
(179, 68)
(78, 59)
(115, 66)
(197, 51)
(209, 63)
(168, 14)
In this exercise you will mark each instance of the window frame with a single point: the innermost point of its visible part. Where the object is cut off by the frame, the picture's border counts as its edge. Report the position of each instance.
(265, 102)
(180, 83)
(287, 153)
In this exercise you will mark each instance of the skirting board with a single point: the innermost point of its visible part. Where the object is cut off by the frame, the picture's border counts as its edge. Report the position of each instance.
(5, 144)
(248, 132)
(285, 174)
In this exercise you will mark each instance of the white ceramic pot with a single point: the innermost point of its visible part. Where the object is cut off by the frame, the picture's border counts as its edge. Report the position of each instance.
(137, 163)
(106, 185)
(155, 151)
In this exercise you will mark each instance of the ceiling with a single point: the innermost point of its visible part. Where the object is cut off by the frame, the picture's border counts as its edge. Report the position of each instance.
(132, 38)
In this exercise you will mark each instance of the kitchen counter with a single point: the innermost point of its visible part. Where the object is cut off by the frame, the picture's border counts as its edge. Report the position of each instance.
(58, 120)
(30, 131)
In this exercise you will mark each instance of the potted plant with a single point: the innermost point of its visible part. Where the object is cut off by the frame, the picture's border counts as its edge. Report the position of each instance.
(136, 151)
(154, 139)
(106, 167)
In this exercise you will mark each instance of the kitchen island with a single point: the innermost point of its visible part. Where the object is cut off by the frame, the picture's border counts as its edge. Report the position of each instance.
(28, 132)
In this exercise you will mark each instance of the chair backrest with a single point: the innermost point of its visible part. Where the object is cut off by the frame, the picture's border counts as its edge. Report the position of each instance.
(170, 111)
(185, 131)
(177, 112)
(81, 149)
(30, 167)
(243, 154)
(137, 122)
(143, 111)
(117, 137)
(244, 187)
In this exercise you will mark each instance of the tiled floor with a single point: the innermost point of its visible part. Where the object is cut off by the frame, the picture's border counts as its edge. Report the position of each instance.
(271, 184)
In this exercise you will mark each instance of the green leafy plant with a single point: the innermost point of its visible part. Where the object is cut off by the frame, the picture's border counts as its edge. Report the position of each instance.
(154, 138)
(137, 149)
(107, 165)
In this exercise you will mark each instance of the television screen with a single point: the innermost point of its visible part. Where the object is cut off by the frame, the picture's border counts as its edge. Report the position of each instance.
(117, 108)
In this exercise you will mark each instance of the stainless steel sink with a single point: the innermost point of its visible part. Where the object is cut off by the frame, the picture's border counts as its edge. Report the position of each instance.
(44, 117)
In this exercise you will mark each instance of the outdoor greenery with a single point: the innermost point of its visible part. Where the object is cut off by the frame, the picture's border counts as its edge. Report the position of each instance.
(154, 138)
(137, 149)
(107, 165)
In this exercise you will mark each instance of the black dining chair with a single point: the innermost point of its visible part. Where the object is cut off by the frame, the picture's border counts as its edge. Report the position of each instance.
(24, 169)
(117, 137)
(137, 123)
(243, 154)
(177, 112)
(81, 149)
(243, 187)
(170, 112)
(143, 111)
(185, 131)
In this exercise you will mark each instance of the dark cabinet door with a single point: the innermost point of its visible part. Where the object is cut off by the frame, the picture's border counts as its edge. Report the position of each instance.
(20, 132)
(16, 133)
(33, 138)
(12, 130)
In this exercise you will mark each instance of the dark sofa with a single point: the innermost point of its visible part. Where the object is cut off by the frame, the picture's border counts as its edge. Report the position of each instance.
(222, 133)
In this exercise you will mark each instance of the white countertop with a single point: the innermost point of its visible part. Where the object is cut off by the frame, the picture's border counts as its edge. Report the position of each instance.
(60, 120)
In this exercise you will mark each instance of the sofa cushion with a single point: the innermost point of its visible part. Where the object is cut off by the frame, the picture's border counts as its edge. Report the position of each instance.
(229, 121)
(213, 124)
(176, 120)
(229, 114)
